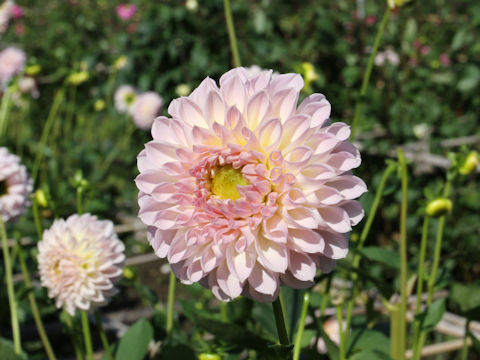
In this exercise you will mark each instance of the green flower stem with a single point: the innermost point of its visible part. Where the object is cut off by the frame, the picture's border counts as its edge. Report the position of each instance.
(464, 355)
(46, 132)
(103, 336)
(171, 301)
(5, 107)
(420, 276)
(10, 290)
(73, 335)
(433, 276)
(363, 236)
(301, 325)
(79, 200)
(403, 256)
(395, 349)
(342, 331)
(36, 217)
(280, 322)
(285, 317)
(231, 33)
(34, 307)
(368, 71)
(86, 335)
(223, 311)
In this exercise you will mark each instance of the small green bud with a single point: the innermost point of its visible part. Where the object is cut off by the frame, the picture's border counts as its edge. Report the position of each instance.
(183, 90)
(396, 3)
(120, 62)
(128, 273)
(40, 198)
(209, 356)
(77, 78)
(439, 207)
(470, 163)
(33, 70)
(99, 105)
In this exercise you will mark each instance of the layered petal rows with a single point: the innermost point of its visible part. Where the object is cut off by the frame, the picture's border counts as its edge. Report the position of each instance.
(80, 260)
(15, 186)
(243, 191)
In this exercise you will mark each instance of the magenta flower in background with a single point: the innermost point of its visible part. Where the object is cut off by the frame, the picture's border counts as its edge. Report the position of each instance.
(425, 50)
(444, 59)
(17, 11)
(80, 259)
(15, 186)
(126, 11)
(417, 44)
(243, 191)
(370, 20)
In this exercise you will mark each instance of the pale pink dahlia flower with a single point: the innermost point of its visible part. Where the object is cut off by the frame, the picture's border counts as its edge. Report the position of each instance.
(80, 260)
(243, 191)
(15, 186)
(146, 108)
(12, 61)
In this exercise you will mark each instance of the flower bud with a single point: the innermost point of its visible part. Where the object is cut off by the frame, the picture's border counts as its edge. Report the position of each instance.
(77, 78)
(439, 207)
(183, 90)
(470, 164)
(40, 198)
(396, 3)
(128, 273)
(33, 70)
(120, 63)
(208, 356)
(99, 105)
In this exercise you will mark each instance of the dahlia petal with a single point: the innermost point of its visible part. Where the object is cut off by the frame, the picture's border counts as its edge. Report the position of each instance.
(317, 107)
(200, 94)
(336, 245)
(273, 255)
(259, 82)
(270, 133)
(324, 264)
(335, 218)
(275, 229)
(216, 290)
(308, 241)
(259, 296)
(177, 250)
(354, 210)
(284, 101)
(290, 280)
(351, 187)
(303, 217)
(228, 282)
(340, 130)
(295, 130)
(325, 195)
(209, 260)
(214, 110)
(191, 113)
(240, 263)
(263, 281)
(283, 81)
(301, 266)
(258, 107)
(234, 93)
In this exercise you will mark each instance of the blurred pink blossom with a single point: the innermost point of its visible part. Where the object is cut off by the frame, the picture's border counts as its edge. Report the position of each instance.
(19, 29)
(17, 11)
(146, 108)
(416, 44)
(244, 191)
(444, 59)
(12, 61)
(126, 11)
(370, 20)
(425, 50)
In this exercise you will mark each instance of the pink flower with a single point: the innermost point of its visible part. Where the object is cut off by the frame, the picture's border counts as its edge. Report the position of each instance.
(15, 186)
(444, 59)
(126, 11)
(17, 11)
(370, 20)
(146, 108)
(80, 260)
(243, 192)
(19, 29)
(417, 44)
(425, 50)
(12, 61)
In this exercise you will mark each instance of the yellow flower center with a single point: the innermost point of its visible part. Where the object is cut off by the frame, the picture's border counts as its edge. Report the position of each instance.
(225, 180)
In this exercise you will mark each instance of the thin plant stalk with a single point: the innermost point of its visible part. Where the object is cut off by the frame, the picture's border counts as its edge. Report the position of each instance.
(5, 109)
(395, 350)
(79, 200)
(363, 236)
(301, 325)
(171, 301)
(46, 132)
(403, 257)
(223, 311)
(10, 290)
(280, 322)
(368, 71)
(76, 344)
(34, 307)
(285, 317)
(341, 330)
(433, 276)
(103, 336)
(36, 218)
(464, 355)
(420, 276)
(86, 335)
(231, 33)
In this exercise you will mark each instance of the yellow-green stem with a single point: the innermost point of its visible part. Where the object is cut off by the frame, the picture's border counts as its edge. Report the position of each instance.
(10, 290)
(36, 218)
(342, 331)
(103, 336)
(34, 307)
(395, 349)
(223, 311)
(301, 325)
(420, 276)
(79, 200)
(280, 322)
(5, 109)
(46, 132)
(464, 355)
(363, 236)
(86, 335)
(368, 71)
(171, 301)
(403, 256)
(76, 343)
(231, 33)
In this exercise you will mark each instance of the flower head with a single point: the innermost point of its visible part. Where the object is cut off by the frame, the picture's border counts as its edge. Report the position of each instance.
(126, 11)
(5, 15)
(15, 186)
(124, 98)
(243, 191)
(17, 11)
(146, 108)
(12, 61)
(80, 260)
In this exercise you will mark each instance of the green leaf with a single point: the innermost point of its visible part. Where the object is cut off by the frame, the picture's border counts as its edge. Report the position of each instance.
(370, 355)
(368, 340)
(382, 255)
(432, 315)
(134, 343)
(470, 79)
(467, 297)
(7, 351)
